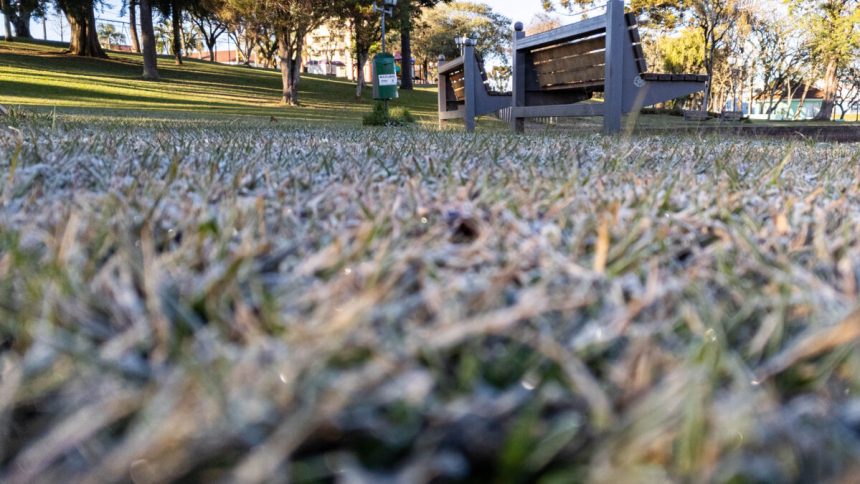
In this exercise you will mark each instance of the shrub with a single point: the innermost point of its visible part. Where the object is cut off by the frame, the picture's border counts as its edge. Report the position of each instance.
(381, 116)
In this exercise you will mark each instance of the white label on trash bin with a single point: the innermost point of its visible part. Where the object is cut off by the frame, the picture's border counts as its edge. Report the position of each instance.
(388, 79)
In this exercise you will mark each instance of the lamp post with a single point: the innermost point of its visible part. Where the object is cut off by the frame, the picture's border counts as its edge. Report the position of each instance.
(461, 41)
(386, 10)
(384, 84)
(736, 74)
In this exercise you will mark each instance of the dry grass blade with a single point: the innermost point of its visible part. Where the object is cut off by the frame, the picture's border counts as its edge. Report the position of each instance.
(814, 343)
(70, 433)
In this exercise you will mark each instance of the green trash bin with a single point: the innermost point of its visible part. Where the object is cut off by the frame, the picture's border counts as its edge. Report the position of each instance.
(384, 77)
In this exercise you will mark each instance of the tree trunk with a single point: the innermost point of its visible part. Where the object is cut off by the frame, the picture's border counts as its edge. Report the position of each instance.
(183, 42)
(830, 86)
(709, 86)
(244, 49)
(360, 81)
(802, 100)
(291, 60)
(297, 64)
(82, 22)
(147, 39)
(21, 22)
(362, 52)
(7, 24)
(177, 31)
(210, 45)
(132, 25)
(406, 45)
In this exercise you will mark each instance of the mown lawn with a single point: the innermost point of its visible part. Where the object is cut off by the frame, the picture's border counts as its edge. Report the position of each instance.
(240, 302)
(38, 74)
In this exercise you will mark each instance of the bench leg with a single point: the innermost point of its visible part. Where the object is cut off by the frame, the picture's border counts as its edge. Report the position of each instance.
(471, 78)
(442, 85)
(616, 33)
(518, 125)
(518, 67)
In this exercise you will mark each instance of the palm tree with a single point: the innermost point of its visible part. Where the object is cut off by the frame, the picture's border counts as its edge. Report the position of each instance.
(109, 36)
(163, 35)
(131, 5)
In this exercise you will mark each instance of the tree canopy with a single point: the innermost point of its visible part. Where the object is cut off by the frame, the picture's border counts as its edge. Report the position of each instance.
(833, 37)
(438, 28)
(290, 21)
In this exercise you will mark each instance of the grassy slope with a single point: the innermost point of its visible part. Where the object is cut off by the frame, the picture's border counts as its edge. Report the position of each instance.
(36, 74)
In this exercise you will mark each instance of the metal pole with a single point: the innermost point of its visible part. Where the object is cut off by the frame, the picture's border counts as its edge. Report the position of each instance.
(383, 12)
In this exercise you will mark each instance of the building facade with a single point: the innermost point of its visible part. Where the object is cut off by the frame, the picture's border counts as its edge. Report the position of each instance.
(328, 52)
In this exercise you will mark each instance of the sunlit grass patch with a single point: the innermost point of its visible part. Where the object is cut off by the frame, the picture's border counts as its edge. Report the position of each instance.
(37, 75)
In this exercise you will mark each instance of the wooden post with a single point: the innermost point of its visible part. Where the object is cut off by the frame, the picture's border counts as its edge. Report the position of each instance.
(519, 80)
(613, 92)
(470, 74)
(443, 90)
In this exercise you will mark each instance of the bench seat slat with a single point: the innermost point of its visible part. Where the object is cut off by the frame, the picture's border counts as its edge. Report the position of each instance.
(571, 63)
(457, 81)
(590, 74)
(569, 50)
(650, 76)
(581, 86)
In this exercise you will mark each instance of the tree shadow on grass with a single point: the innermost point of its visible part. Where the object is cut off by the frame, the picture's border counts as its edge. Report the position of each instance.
(100, 97)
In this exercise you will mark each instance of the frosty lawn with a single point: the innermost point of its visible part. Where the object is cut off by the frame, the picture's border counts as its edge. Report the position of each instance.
(220, 302)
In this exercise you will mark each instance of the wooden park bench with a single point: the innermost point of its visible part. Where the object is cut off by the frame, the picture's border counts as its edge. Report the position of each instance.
(463, 90)
(731, 116)
(555, 71)
(693, 115)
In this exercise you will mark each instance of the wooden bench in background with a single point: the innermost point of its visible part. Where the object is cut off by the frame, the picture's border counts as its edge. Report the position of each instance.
(555, 71)
(463, 89)
(731, 116)
(696, 116)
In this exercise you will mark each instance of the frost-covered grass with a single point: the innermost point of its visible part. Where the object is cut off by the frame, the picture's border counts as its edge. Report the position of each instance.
(254, 304)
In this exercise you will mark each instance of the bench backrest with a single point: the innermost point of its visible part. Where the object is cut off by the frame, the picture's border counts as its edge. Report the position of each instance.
(574, 56)
(456, 82)
(457, 85)
(554, 72)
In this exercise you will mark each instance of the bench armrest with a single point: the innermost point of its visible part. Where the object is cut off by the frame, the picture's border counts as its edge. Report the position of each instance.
(451, 65)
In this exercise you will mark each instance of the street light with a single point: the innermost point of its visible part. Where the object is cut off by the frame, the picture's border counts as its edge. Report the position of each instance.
(384, 70)
(461, 41)
(387, 9)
